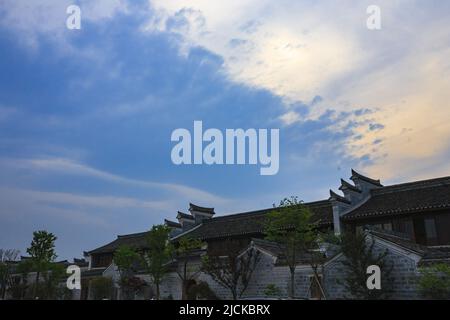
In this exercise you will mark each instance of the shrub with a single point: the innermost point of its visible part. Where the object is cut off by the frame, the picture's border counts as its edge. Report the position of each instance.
(102, 288)
(272, 291)
(435, 282)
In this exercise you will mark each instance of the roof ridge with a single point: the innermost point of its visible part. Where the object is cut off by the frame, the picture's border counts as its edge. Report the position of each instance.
(338, 197)
(363, 177)
(185, 215)
(131, 235)
(349, 186)
(200, 208)
(262, 211)
(428, 183)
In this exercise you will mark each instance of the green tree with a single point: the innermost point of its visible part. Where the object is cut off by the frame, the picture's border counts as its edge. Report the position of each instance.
(7, 260)
(231, 268)
(183, 251)
(127, 260)
(435, 282)
(272, 291)
(360, 253)
(42, 253)
(201, 291)
(290, 226)
(101, 288)
(50, 287)
(157, 255)
(19, 285)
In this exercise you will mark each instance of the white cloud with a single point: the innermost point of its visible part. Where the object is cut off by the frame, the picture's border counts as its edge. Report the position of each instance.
(290, 117)
(301, 49)
(282, 46)
(70, 167)
(80, 201)
(298, 50)
(31, 19)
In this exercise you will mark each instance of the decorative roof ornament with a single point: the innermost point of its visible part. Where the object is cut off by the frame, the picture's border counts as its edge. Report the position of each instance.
(195, 208)
(172, 224)
(185, 216)
(347, 186)
(357, 176)
(335, 197)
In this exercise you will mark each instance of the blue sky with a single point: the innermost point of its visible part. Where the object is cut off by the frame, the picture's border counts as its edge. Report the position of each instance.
(86, 115)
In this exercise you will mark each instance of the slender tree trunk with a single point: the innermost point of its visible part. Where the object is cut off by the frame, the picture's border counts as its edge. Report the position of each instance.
(234, 293)
(38, 274)
(184, 282)
(184, 290)
(4, 284)
(292, 289)
(157, 290)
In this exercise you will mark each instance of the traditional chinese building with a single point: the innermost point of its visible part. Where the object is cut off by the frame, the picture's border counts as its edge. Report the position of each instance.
(410, 220)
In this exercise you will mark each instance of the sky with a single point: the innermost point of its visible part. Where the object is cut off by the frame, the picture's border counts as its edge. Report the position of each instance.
(86, 115)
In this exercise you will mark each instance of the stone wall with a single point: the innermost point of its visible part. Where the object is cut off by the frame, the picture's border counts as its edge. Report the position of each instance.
(402, 282)
(265, 274)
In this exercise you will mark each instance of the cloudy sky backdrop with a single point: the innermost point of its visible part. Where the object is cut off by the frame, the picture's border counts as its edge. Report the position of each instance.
(86, 115)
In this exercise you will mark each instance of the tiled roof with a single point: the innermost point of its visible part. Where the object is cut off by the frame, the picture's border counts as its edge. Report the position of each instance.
(92, 272)
(356, 175)
(172, 224)
(135, 240)
(436, 255)
(278, 251)
(336, 197)
(182, 215)
(345, 184)
(429, 254)
(404, 198)
(193, 207)
(399, 240)
(252, 223)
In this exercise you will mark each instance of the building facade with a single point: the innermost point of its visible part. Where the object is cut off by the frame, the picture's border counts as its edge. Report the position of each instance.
(411, 221)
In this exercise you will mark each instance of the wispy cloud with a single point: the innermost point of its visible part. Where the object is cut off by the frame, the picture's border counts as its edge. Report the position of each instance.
(70, 167)
(301, 49)
(33, 19)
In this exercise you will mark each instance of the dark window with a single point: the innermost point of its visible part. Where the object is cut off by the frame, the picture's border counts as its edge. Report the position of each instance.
(443, 227)
(101, 260)
(430, 231)
(419, 231)
(404, 226)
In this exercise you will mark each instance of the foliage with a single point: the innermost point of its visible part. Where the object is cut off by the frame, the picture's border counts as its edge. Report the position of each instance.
(131, 286)
(182, 253)
(19, 286)
(233, 268)
(42, 253)
(201, 291)
(360, 254)
(50, 288)
(7, 259)
(158, 255)
(127, 261)
(42, 248)
(102, 288)
(272, 291)
(291, 227)
(435, 282)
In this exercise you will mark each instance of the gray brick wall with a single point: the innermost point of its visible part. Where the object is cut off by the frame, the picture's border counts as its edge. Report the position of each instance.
(403, 285)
